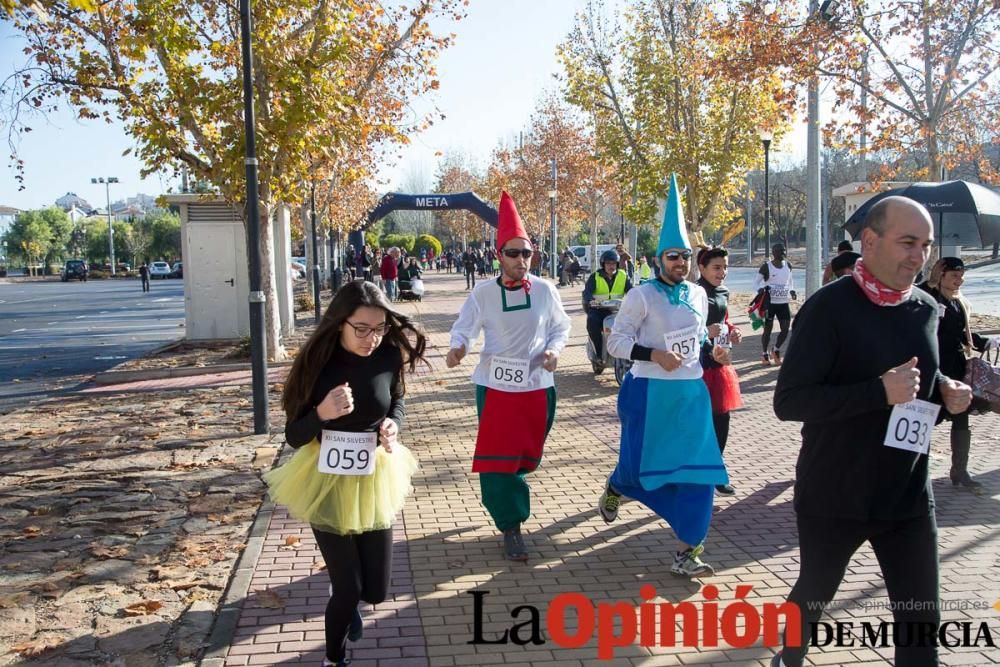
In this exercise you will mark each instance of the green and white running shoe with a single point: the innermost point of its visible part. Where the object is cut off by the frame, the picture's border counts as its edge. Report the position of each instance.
(688, 563)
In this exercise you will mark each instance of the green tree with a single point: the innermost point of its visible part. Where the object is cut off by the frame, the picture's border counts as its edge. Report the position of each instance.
(682, 87)
(332, 78)
(39, 236)
(404, 241)
(428, 243)
(165, 236)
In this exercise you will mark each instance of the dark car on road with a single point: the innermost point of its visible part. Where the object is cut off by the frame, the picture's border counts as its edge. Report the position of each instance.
(75, 269)
(177, 271)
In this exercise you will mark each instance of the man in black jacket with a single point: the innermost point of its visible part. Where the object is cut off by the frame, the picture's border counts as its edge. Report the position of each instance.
(862, 372)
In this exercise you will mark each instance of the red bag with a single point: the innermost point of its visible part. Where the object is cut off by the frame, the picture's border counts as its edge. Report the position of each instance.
(983, 375)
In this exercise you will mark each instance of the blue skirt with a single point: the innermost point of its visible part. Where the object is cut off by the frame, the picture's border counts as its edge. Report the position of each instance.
(669, 456)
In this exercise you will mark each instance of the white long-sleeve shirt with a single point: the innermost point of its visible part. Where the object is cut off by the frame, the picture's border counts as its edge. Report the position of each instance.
(647, 317)
(779, 280)
(521, 335)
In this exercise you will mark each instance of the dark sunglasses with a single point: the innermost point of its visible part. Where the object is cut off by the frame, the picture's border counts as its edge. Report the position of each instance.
(514, 254)
(674, 256)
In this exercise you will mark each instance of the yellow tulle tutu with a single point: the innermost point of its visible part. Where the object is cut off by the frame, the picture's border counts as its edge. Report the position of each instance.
(343, 504)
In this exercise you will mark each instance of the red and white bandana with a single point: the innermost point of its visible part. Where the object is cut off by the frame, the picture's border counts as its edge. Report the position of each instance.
(876, 291)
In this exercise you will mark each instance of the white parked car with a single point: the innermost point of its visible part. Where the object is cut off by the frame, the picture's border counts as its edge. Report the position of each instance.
(159, 270)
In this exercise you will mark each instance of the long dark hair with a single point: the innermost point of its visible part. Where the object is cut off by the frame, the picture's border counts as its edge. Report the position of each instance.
(403, 333)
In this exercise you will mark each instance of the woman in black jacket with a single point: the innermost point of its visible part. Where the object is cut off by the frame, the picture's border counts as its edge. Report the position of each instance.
(955, 341)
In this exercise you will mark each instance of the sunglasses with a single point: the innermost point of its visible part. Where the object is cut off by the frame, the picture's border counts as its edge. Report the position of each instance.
(514, 254)
(364, 331)
(674, 256)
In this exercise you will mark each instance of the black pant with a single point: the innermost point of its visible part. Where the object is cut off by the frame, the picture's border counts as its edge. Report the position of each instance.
(721, 422)
(145, 283)
(595, 329)
(470, 277)
(783, 312)
(359, 567)
(906, 550)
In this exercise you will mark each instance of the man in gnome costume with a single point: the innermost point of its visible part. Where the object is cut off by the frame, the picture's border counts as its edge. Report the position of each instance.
(525, 330)
(669, 456)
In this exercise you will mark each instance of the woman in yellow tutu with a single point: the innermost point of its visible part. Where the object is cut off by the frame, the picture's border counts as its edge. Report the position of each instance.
(344, 404)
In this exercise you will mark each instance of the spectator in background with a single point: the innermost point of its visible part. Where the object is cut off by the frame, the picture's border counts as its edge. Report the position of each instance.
(389, 270)
(843, 248)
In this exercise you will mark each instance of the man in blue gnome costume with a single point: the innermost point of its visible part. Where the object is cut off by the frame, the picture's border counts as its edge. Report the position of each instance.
(669, 457)
(525, 329)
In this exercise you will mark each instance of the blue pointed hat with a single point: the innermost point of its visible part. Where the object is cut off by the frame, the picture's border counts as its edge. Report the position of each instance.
(673, 233)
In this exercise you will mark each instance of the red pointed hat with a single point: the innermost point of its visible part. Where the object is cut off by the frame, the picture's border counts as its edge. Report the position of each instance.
(509, 225)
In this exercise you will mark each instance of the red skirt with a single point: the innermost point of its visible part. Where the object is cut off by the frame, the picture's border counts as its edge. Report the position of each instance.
(724, 388)
(512, 429)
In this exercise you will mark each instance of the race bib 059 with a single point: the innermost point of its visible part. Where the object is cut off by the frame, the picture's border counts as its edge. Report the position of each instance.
(343, 453)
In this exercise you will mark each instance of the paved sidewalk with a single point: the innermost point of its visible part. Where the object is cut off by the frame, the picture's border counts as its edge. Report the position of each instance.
(446, 548)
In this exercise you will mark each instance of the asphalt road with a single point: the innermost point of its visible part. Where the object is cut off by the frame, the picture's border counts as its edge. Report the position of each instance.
(981, 288)
(51, 332)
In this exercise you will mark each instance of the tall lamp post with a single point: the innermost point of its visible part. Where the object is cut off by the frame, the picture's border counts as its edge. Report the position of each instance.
(258, 333)
(553, 259)
(765, 138)
(111, 230)
(315, 245)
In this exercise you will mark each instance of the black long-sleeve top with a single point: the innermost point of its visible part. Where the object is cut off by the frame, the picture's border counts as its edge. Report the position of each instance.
(952, 337)
(841, 344)
(718, 307)
(375, 385)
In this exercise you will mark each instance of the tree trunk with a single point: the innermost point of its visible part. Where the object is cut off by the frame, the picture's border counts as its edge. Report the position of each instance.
(272, 322)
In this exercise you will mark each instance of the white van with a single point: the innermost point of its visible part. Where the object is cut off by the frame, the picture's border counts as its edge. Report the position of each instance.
(582, 253)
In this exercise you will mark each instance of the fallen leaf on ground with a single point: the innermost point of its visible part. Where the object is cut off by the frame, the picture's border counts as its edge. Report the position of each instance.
(270, 600)
(293, 541)
(142, 608)
(32, 530)
(35, 647)
(15, 600)
(109, 552)
(184, 584)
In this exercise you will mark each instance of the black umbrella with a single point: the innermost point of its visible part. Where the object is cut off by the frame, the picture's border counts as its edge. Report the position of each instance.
(965, 214)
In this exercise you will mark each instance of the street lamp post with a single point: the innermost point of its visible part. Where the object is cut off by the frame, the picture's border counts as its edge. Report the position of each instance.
(111, 230)
(553, 259)
(258, 332)
(315, 245)
(765, 139)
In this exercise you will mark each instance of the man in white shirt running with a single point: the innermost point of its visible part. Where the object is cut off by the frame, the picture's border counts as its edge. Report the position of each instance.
(775, 277)
(525, 330)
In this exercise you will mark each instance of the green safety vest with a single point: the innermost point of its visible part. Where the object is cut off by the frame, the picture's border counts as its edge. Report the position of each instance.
(645, 272)
(616, 291)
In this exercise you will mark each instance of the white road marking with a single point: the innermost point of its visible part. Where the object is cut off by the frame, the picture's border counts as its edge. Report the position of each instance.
(18, 330)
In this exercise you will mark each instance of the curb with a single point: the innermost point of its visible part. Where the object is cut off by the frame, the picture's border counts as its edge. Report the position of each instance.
(138, 375)
(224, 628)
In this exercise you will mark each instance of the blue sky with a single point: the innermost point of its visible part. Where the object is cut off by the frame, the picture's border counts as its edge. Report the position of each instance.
(502, 62)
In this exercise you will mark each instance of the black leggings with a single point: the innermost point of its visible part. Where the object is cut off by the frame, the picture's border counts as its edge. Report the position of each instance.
(359, 568)
(721, 422)
(765, 338)
(595, 329)
(906, 550)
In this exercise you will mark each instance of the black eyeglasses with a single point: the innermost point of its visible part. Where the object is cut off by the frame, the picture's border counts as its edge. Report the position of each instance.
(514, 254)
(674, 256)
(364, 331)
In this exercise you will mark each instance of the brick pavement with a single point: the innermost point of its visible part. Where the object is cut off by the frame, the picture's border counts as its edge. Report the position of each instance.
(446, 548)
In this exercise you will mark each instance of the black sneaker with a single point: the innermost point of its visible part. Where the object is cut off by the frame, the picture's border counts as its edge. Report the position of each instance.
(513, 545)
(725, 490)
